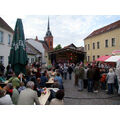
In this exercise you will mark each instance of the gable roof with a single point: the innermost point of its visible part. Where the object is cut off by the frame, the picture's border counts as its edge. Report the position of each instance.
(44, 43)
(37, 45)
(5, 26)
(65, 49)
(71, 45)
(80, 48)
(104, 29)
(29, 50)
(37, 42)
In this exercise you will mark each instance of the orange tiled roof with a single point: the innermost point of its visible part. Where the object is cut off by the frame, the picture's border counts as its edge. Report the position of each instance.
(105, 29)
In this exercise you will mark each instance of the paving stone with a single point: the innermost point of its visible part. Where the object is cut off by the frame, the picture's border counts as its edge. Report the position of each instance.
(74, 97)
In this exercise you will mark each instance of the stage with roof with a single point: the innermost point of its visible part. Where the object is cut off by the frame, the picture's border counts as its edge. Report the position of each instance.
(68, 54)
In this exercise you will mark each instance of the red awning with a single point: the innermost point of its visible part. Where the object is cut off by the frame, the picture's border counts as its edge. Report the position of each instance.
(102, 58)
(116, 52)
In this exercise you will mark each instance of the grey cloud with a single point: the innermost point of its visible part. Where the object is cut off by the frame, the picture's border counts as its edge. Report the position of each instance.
(66, 29)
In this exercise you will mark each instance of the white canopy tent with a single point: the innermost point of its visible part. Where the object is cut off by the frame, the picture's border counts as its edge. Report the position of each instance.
(113, 59)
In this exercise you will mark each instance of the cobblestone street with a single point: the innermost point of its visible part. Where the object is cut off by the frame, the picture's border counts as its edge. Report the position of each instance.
(74, 97)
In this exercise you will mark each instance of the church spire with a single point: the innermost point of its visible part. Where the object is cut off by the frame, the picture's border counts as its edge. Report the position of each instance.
(48, 33)
(48, 37)
(48, 25)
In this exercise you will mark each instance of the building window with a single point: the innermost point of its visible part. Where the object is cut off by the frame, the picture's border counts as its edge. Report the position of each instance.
(88, 46)
(106, 43)
(2, 59)
(88, 58)
(1, 37)
(32, 60)
(93, 45)
(98, 56)
(98, 45)
(93, 58)
(113, 42)
(9, 39)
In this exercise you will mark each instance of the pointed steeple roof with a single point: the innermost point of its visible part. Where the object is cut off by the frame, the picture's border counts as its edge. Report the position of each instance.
(48, 25)
(48, 33)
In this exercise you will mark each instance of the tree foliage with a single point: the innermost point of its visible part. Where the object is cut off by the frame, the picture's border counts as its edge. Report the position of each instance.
(58, 47)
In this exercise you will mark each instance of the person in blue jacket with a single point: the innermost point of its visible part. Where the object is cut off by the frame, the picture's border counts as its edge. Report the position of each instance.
(58, 79)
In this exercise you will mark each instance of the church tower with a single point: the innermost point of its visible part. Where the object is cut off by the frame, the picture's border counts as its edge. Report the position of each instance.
(48, 37)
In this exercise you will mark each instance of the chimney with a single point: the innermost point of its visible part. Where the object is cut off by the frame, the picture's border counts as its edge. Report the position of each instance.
(36, 38)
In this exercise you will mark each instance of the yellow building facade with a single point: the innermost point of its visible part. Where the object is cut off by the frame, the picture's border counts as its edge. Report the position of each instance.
(102, 42)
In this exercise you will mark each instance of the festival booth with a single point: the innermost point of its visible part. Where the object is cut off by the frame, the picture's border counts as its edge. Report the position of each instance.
(102, 58)
(108, 58)
(111, 60)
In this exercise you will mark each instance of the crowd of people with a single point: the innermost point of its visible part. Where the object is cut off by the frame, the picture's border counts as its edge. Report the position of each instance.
(94, 77)
(26, 89)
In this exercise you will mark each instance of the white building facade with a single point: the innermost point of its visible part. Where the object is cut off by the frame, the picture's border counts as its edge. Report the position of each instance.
(6, 36)
(33, 54)
(38, 46)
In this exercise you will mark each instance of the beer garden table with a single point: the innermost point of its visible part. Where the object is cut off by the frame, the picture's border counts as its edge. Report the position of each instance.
(44, 97)
(50, 81)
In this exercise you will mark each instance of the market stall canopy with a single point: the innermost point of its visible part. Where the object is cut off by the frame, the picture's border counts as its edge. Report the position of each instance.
(116, 52)
(103, 58)
(113, 59)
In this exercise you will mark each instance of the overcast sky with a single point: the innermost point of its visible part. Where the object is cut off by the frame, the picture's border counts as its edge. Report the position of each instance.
(66, 29)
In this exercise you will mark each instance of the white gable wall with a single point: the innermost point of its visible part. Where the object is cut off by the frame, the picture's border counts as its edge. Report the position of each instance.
(39, 47)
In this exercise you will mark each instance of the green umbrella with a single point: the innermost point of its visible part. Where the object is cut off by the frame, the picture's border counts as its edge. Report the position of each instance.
(18, 57)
